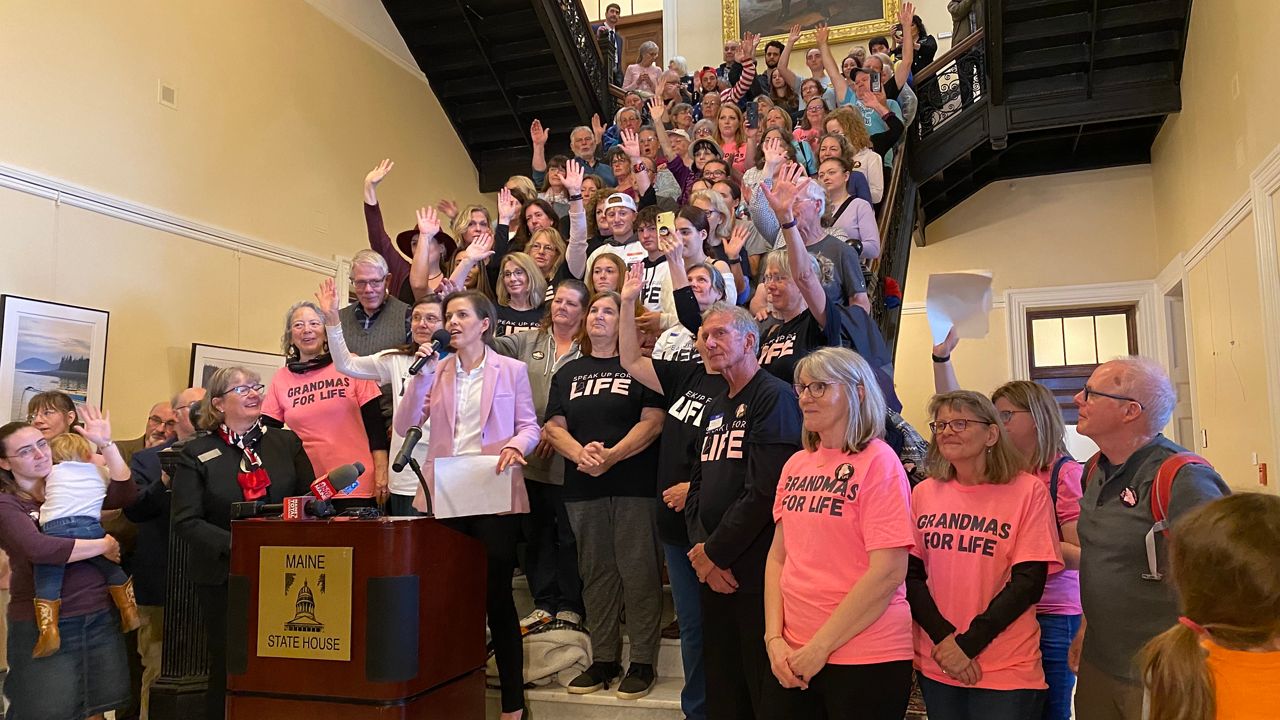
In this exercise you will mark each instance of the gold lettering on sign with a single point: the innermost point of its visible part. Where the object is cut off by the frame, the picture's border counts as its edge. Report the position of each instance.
(304, 602)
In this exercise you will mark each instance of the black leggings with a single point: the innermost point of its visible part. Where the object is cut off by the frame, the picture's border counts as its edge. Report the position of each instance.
(499, 533)
(877, 691)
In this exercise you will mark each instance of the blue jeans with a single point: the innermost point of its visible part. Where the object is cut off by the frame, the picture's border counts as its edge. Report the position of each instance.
(1056, 634)
(686, 593)
(949, 702)
(88, 675)
(48, 578)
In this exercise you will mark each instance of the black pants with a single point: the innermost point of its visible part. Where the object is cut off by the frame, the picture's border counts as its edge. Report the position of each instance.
(213, 601)
(551, 554)
(500, 533)
(879, 691)
(734, 657)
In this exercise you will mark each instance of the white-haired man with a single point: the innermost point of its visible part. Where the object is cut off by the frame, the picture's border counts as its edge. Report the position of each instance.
(377, 321)
(1127, 599)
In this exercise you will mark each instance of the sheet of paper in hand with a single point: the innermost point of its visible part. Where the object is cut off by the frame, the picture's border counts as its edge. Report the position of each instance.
(467, 485)
(960, 299)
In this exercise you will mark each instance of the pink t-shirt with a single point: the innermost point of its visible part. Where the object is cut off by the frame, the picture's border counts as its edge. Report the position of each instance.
(969, 538)
(834, 509)
(1062, 591)
(323, 408)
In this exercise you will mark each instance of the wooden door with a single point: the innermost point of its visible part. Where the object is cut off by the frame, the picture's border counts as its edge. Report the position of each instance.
(638, 29)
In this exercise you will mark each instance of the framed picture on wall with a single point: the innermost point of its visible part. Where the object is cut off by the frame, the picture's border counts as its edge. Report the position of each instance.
(50, 346)
(207, 359)
(772, 19)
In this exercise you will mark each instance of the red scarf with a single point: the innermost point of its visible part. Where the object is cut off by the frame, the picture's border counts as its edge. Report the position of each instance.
(252, 477)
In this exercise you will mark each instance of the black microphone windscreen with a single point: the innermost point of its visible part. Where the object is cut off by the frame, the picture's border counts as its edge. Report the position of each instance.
(441, 338)
(343, 476)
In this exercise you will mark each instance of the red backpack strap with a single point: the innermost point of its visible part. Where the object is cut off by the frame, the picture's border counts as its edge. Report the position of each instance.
(1162, 489)
(1089, 466)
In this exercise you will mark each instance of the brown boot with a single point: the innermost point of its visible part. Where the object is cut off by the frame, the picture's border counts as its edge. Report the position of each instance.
(47, 622)
(128, 605)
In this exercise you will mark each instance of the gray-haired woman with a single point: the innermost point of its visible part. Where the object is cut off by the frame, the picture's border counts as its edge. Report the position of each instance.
(646, 68)
(338, 418)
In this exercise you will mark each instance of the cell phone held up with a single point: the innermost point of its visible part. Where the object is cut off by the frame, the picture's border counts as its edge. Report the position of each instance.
(875, 82)
(753, 115)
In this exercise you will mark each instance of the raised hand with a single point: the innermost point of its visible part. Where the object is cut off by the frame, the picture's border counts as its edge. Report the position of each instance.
(737, 240)
(95, 425)
(948, 344)
(327, 299)
(747, 50)
(538, 134)
(786, 190)
(573, 174)
(821, 32)
(657, 109)
(508, 206)
(447, 209)
(633, 285)
(378, 172)
(793, 35)
(479, 250)
(907, 14)
(447, 286)
(597, 127)
(774, 154)
(669, 244)
(631, 144)
(428, 225)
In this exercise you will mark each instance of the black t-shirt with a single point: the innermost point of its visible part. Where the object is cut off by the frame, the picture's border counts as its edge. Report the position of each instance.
(748, 438)
(512, 321)
(601, 402)
(783, 347)
(688, 389)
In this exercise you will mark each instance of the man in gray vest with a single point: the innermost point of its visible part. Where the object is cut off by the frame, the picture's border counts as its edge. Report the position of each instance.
(377, 321)
(1124, 587)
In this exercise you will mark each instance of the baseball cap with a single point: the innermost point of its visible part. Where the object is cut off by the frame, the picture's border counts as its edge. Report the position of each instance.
(679, 132)
(618, 200)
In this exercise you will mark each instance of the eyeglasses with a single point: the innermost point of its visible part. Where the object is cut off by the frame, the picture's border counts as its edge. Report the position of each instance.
(773, 279)
(186, 408)
(243, 390)
(1090, 392)
(26, 452)
(957, 426)
(1007, 415)
(716, 174)
(365, 284)
(816, 389)
(517, 273)
(45, 413)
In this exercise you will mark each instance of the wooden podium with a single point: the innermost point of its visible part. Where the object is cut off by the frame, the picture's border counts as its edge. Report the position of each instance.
(346, 618)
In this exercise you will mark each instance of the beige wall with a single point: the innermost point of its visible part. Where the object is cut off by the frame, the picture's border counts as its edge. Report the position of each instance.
(280, 114)
(1202, 159)
(1029, 233)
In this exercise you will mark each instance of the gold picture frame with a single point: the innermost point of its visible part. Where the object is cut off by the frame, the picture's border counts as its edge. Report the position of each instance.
(808, 13)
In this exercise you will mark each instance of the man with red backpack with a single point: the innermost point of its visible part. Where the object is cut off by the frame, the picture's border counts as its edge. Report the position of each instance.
(1137, 484)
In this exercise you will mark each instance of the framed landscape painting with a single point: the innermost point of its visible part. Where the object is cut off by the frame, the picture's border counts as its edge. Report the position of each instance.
(772, 19)
(207, 359)
(50, 346)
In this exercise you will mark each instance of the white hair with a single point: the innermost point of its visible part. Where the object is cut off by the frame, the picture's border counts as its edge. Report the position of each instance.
(739, 319)
(815, 191)
(1146, 380)
(371, 258)
(682, 65)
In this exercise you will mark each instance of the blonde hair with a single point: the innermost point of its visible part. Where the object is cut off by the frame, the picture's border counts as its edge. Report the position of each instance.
(521, 186)
(553, 236)
(70, 447)
(855, 130)
(537, 282)
(463, 219)
(865, 411)
(739, 137)
(725, 229)
(1045, 413)
(223, 380)
(1222, 556)
(1004, 462)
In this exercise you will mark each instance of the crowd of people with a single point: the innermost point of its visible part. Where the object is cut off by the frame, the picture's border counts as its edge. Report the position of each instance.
(662, 340)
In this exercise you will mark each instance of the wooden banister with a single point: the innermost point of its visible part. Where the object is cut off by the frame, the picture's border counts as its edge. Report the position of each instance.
(955, 52)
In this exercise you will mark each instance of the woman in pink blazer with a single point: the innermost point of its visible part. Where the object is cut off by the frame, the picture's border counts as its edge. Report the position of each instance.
(480, 403)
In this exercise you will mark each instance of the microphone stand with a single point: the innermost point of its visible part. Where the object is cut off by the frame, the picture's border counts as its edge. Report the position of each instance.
(417, 470)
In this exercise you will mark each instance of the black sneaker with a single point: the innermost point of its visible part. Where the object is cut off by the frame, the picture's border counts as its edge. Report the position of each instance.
(596, 677)
(638, 682)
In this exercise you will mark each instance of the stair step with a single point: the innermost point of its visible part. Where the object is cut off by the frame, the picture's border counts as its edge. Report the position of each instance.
(556, 703)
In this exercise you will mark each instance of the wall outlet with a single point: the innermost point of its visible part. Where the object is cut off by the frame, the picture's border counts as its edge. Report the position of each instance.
(166, 95)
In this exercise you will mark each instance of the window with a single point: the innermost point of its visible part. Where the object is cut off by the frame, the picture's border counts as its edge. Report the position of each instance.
(1065, 346)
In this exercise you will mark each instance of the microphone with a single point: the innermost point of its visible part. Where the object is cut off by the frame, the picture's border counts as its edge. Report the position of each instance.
(411, 439)
(440, 340)
(302, 507)
(339, 481)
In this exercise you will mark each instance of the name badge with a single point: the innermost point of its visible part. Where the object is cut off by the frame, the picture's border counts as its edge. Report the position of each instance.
(210, 455)
(715, 423)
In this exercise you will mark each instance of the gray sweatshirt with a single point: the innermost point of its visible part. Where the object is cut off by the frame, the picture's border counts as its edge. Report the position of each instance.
(537, 349)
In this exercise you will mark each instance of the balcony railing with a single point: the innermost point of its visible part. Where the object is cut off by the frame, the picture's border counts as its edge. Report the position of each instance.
(956, 81)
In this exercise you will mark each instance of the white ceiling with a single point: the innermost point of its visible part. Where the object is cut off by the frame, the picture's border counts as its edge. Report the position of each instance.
(368, 20)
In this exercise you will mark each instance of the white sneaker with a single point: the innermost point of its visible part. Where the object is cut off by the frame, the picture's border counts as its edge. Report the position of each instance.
(535, 618)
(570, 617)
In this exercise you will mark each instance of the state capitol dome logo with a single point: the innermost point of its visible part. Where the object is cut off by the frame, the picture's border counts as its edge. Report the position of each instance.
(304, 619)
